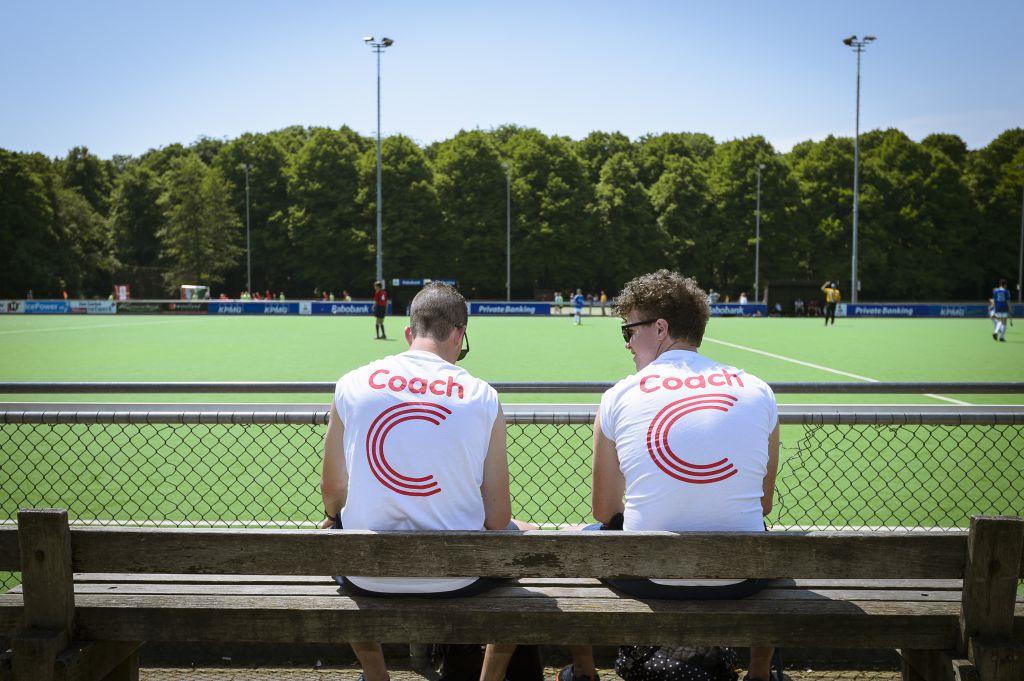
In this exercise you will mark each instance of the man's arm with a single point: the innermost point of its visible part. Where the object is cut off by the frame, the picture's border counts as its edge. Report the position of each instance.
(494, 490)
(334, 478)
(609, 483)
(773, 469)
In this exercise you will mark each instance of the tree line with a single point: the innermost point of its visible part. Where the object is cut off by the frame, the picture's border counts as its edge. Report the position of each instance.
(937, 221)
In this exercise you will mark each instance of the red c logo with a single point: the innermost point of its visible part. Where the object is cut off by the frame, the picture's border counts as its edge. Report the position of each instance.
(662, 454)
(378, 432)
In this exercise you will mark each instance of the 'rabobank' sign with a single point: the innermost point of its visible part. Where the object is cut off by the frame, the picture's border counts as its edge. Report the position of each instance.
(738, 309)
(499, 308)
(344, 308)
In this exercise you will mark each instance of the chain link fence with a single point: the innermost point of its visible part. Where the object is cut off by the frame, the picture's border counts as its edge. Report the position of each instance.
(260, 469)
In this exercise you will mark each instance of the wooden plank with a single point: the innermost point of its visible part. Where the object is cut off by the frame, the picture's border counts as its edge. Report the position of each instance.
(990, 578)
(531, 554)
(510, 591)
(291, 619)
(126, 670)
(11, 615)
(92, 660)
(937, 665)
(46, 576)
(34, 652)
(997, 659)
(10, 556)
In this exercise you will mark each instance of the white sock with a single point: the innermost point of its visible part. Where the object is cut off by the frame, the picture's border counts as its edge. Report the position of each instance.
(1001, 329)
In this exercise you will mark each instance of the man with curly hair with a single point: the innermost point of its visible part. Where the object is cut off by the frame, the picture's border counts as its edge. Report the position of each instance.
(710, 465)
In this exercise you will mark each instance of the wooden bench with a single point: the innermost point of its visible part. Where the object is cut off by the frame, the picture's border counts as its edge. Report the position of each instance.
(947, 600)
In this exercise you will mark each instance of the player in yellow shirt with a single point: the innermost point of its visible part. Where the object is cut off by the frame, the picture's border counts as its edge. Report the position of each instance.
(832, 297)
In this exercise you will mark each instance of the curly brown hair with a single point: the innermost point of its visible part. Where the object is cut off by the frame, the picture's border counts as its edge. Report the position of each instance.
(670, 296)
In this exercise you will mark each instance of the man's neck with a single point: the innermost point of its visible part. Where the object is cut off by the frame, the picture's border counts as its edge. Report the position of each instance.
(678, 345)
(427, 344)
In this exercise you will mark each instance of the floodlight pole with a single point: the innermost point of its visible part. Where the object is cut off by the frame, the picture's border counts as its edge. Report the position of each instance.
(1020, 258)
(248, 243)
(858, 47)
(378, 47)
(508, 233)
(757, 239)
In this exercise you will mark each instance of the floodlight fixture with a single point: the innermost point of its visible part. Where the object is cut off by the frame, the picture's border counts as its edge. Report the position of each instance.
(367, 38)
(869, 38)
(388, 42)
(846, 41)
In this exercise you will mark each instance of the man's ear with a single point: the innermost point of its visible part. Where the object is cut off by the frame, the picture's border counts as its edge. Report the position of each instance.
(408, 335)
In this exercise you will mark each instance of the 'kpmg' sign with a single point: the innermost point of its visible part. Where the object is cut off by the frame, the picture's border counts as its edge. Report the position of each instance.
(499, 308)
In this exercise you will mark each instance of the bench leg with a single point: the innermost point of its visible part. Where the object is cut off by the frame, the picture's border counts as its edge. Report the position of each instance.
(936, 665)
(127, 670)
(34, 654)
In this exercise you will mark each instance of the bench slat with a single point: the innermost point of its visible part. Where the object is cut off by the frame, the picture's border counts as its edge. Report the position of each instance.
(128, 578)
(511, 591)
(858, 624)
(539, 553)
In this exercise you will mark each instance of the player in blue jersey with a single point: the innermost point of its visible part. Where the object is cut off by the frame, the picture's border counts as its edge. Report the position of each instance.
(577, 307)
(999, 310)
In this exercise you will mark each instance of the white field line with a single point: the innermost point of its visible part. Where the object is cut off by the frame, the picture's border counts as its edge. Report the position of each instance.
(85, 328)
(819, 367)
(297, 524)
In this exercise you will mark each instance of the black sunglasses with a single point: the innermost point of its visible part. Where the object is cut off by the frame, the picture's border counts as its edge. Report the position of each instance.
(465, 350)
(628, 330)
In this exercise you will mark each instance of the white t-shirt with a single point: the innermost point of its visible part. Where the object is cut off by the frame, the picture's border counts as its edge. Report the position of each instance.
(692, 442)
(416, 435)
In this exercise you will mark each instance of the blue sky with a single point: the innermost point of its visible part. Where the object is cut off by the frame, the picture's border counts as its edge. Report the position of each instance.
(121, 77)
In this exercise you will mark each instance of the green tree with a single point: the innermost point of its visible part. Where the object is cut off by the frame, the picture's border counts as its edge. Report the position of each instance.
(90, 175)
(136, 217)
(554, 237)
(994, 184)
(28, 236)
(679, 200)
(725, 256)
(654, 151)
(411, 217)
(325, 220)
(632, 240)
(273, 258)
(596, 148)
(470, 185)
(200, 236)
(87, 244)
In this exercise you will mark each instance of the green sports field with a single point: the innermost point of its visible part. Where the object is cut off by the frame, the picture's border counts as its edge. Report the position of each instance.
(200, 348)
(831, 475)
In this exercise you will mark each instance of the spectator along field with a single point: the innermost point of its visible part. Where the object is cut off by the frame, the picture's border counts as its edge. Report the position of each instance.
(831, 475)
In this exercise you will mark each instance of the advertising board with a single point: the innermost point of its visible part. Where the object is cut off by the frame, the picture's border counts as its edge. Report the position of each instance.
(512, 308)
(253, 307)
(138, 307)
(738, 310)
(93, 307)
(12, 306)
(344, 308)
(183, 307)
(907, 310)
(46, 307)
